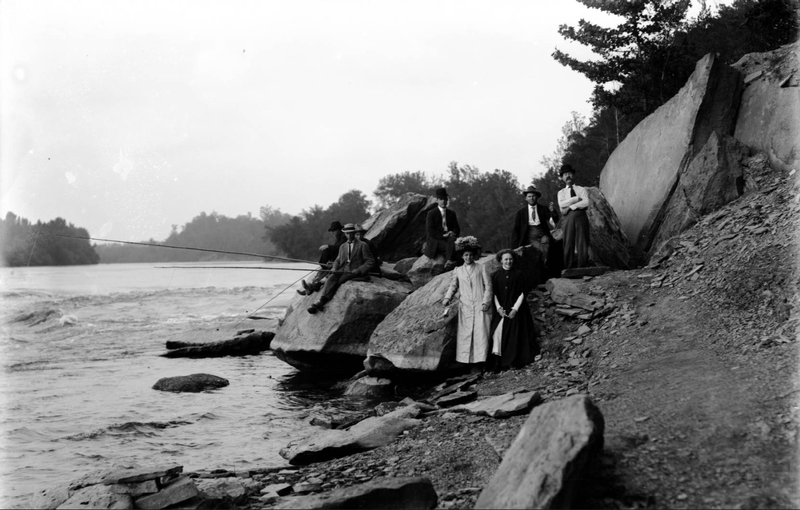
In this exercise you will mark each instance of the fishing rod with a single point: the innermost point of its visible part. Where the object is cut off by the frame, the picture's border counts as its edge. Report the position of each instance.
(260, 255)
(330, 271)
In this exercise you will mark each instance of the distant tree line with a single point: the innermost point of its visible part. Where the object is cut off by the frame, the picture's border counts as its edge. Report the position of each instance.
(243, 233)
(35, 244)
(645, 60)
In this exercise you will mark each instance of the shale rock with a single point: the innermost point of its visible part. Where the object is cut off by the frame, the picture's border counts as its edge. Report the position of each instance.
(714, 177)
(767, 119)
(567, 292)
(365, 435)
(336, 338)
(378, 493)
(608, 244)
(219, 491)
(503, 406)
(181, 489)
(97, 496)
(253, 343)
(193, 383)
(640, 176)
(399, 230)
(547, 460)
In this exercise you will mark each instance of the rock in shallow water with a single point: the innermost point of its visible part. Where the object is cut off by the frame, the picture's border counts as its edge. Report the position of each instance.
(190, 383)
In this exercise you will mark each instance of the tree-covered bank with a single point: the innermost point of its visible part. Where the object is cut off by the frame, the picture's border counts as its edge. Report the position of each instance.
(35, 244)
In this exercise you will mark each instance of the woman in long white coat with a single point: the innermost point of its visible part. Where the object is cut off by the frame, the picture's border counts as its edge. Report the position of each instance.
(474, 287)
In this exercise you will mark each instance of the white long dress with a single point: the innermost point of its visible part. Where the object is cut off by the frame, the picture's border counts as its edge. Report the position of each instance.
(474, 288)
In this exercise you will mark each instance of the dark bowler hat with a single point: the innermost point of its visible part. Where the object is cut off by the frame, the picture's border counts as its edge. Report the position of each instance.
(349, 227)
(335, 226)
(441, 193)
(531, 189)
(566, 167)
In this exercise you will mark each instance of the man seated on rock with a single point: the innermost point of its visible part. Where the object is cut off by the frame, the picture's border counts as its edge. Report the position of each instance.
(328, 253)
(360, 231)
(353, 263)
(574, 201)
(441, 227)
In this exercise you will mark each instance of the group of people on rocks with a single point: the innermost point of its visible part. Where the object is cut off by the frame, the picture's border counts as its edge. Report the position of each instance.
(495, 326)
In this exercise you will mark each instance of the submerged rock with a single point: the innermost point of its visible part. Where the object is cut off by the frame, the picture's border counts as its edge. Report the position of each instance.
(193, 383)
(253, 343)
(336, 338)
(370, 387)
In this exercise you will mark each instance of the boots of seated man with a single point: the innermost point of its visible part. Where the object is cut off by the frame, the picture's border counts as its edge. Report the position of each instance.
(317, 306)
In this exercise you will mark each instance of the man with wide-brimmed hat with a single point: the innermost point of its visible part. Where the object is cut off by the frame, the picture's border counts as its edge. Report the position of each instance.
(353, 262)
(574, 201)
(328, 253)
(532, 224)
(441, 228)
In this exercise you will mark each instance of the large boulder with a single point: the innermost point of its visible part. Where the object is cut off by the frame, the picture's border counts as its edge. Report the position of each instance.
(245, 345)
(418, 337)
(641, 174)
(547, 461)
(715, 177)
(399, 231)
(193, 383)
(377, 493)
(336, 338)
(97, 496)
(424, 269)
(768, 113)
(365, 435)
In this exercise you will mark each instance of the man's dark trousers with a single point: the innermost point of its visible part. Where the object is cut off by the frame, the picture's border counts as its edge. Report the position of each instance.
(576, 237)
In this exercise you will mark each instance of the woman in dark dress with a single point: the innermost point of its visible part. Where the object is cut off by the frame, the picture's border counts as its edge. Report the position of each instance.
(513, 336)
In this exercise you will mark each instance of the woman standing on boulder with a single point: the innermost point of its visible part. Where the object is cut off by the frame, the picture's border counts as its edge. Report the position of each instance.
(513, 336)
(475, 296)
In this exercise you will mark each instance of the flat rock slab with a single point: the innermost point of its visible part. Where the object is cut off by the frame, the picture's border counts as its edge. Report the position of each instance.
(193, 383)
(379, 493)
(366, 435)
(548, 457)
(180, 490)
(254, 343)
(142, 474)
(455, 398)
(97, 496)
(136, 488)
(567, 292)
(502, 406)
(222, 490)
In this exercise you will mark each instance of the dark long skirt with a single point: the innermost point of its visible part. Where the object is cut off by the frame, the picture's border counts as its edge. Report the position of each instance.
(519, 345)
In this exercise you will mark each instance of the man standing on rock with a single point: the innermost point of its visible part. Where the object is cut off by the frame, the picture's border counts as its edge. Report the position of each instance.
(353, 263)
(573, 201)
(441, 227)
(328, 253)
(532, 224)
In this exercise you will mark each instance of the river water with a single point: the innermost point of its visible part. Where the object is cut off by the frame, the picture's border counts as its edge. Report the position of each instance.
(80, 352)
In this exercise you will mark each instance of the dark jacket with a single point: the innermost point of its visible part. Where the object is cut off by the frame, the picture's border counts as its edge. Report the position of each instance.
(361, 260)
(434, 231)
(519, 236)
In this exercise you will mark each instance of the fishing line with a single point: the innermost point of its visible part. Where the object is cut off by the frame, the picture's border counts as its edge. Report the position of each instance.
(260, 255)
(330, 271)
(270, 300)
(32, 248)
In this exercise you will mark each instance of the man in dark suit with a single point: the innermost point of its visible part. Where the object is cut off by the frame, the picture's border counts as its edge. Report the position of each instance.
(327, 255)
(360, 232)
(353, 263)
(532, 224)
(441, 227)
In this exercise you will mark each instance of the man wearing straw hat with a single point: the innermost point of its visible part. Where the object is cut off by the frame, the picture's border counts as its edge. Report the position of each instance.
(328, 253)
(532, 224)
(353, 263)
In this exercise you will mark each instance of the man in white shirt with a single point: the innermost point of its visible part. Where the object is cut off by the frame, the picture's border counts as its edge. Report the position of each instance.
(441, 228)
(573, 201)
(532, 224)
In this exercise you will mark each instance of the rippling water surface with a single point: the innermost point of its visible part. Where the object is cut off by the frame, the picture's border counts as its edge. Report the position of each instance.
(80, 349)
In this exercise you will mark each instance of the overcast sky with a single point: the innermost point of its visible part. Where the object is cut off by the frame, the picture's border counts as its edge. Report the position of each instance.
(125, 117)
